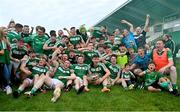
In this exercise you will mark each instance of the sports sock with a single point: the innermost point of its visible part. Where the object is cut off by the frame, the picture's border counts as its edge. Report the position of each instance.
(20, 89)
(33, 90)
(174, 86)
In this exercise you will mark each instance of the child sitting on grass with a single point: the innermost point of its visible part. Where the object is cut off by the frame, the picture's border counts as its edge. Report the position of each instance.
(126, 77)
(155, 81)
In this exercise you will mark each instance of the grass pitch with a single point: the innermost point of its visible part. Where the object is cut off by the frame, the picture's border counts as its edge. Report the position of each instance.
(116, 100)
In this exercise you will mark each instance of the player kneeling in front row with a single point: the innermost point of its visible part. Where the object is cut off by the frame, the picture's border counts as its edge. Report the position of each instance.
(126, 77)
(98, 74)
(62, 77)
(38, 71)
(81, 71)
(155, 81)
(59, 79)
(115, 71)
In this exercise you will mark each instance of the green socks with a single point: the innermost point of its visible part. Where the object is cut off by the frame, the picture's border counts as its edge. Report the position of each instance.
(174, 86)
(33, 90)
(19, 91)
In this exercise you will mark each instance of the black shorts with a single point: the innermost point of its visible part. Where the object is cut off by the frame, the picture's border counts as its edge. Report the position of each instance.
(128, 82)
(155, 85)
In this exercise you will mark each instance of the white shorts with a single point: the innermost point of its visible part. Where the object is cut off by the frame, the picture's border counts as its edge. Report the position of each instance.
(54, 82)
(30, 81)
(81, 81)
(15, 64)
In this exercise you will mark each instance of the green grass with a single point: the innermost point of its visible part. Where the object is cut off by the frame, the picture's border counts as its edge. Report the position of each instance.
(118, 99)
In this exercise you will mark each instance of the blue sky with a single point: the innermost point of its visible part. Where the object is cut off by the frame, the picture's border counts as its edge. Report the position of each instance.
(56, 14)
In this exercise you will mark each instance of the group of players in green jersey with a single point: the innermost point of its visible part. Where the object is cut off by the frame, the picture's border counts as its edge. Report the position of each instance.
(61, 62)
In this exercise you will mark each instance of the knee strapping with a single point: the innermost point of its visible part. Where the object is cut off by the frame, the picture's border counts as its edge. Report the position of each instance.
(164, 84)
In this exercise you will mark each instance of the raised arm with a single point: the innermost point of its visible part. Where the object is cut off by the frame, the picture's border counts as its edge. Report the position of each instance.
(141, 74)
(89, 38)
(46, 47)
(23, 67)
(84, 48)
(55, 53)
(67, 31)
(129, 24)
(146, 23)
(82, 41)
(32, 29)
(133, 66)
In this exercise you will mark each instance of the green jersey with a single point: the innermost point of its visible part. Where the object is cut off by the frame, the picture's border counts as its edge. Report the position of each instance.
(38, 43)
(49, 44)
(58, 38)
(80, 69)
(171, 45)
(117, 40)
(152, 77)
(4, 58)
(39, 70)
(18, 53)
(114, 48)
(89, 55)
(62, 72)
(97, 33)
(98, 70)
(75, 39)
(13, 36)
(29, 39)
(60, 44)
(30, 62)
(127, 75)
(85, 37)
(109, 44)
(114, 69)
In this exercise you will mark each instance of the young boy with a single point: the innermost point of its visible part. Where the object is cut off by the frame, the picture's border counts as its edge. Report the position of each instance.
(126, 77)
(155, 81)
